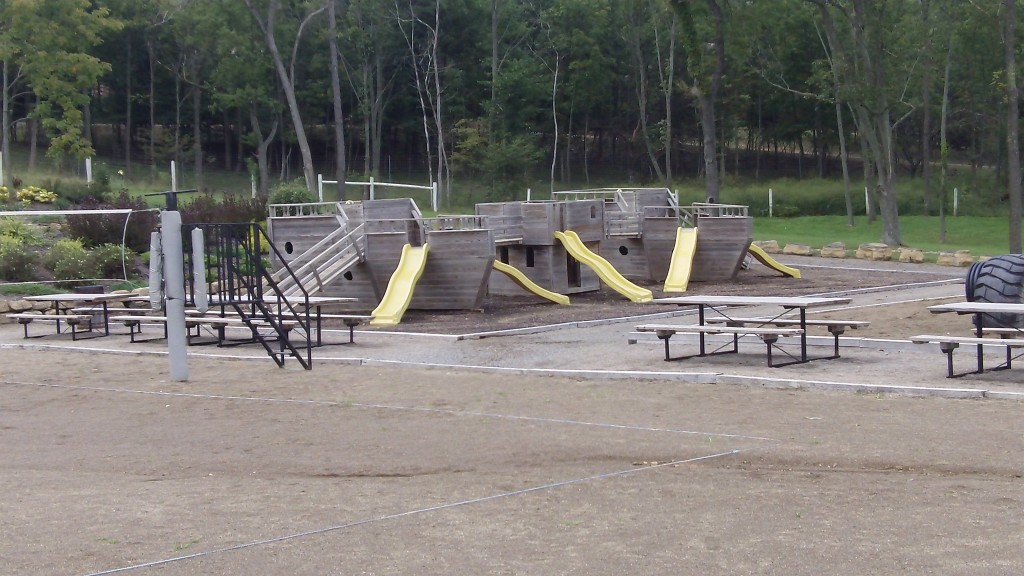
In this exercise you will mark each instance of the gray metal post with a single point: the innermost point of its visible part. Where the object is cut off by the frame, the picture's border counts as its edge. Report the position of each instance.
(174, 286)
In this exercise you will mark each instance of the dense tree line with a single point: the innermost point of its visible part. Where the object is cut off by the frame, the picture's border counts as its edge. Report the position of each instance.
(501, 91)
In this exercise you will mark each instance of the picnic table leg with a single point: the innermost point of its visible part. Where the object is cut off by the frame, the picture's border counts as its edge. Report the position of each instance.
(666, 338)
(803, 335)
(700, 336)
(948, 348)
(981, 351)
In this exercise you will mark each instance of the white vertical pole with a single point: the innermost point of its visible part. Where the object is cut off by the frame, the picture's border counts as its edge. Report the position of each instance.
(174, 285)
(372, 193)
(956, 199)
(320, 186)
(528, 193)
(771, 203)
(433, 196)
(174, 177)
(867, 201)
(252, 178)
(199, 293)
(88, 170)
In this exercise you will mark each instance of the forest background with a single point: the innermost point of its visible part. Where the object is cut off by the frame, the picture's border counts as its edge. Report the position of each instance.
(887, 106)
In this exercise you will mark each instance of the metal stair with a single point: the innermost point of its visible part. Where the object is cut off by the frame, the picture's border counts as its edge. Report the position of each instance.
(238, 282)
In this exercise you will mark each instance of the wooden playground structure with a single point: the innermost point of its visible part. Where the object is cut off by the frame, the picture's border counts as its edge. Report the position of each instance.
(387, 252)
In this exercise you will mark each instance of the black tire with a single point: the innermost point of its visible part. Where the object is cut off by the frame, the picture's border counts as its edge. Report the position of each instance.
(998, 279)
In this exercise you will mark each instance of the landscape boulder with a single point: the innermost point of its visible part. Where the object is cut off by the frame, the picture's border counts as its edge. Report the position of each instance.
(915, 255)
(834, 250)
(798, 250)
(769, 246)
(874, 251)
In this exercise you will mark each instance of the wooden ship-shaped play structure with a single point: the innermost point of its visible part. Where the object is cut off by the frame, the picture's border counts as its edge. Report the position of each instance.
(387, 253)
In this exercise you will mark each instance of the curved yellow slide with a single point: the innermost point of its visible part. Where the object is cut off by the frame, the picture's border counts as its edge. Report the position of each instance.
(529, 285)
(608, 274)
(772, 263)
(682, 260)
(399, 292)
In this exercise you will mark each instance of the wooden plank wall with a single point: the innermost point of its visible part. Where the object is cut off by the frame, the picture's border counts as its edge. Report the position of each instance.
(540, 220)
(644, 198)
(389, 209)
(659, 241)
(457, 270)
(627, 256)
(721, 246)
(585, 218)
(299, 234)
(383, 252)
(360, 283)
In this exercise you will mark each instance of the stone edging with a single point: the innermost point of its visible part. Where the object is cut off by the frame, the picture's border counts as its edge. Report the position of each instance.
(871, 251)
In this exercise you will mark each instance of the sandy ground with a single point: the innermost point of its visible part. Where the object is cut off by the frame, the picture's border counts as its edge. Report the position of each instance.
(376, 463)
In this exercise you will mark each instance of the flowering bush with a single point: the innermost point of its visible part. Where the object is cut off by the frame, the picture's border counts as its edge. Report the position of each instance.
(30, 194)
(69, 260)
(16, 260)
(5, 194)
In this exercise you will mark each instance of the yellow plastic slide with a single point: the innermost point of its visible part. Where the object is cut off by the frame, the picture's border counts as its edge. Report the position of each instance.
(682, 260)
(399, 292)
(772, 263)
(608, 274)
(529, 285)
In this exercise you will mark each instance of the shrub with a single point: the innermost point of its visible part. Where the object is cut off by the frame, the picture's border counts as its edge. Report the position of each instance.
(30, 194)
(28, 233)
(69, 260)
(78, 191)
(17, 262)
(98, 229)
(293, 192)
(108, 260)
(207, 209)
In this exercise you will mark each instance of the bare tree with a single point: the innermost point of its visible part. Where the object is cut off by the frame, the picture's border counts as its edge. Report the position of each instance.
(339, 116)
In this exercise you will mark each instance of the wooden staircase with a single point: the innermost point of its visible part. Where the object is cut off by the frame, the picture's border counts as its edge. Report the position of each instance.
(313, 270)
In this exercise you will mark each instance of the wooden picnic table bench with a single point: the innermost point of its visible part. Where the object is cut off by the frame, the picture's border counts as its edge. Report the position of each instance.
(835, 327)
(947, 344)
(769, 336)
(72, 320)
(193, 321)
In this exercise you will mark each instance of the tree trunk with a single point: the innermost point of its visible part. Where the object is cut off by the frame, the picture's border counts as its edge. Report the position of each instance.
(288, 86)
(943, 144)
(197, 135)
(339, 116)
(5, 139)
(1013, 168)
(128, 109)
(33, 135)
(262, 146)
(707, 120)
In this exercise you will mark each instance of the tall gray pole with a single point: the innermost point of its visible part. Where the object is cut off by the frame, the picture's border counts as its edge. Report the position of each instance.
(174, 287)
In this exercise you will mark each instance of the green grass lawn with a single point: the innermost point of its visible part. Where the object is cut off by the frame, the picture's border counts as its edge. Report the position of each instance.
(981, 235)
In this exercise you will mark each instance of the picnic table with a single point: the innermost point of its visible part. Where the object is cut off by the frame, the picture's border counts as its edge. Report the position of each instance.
(768, 327)
(66, 306)
(1003, 335)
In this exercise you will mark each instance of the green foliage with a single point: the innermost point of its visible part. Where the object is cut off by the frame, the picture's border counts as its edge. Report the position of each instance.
(69, 260)
(35, 194)
(97, 229)
(17, 262)
(109, 261)
(27, 290)
(21, 230)
(294, 192)
(209, 209)
(74, 191)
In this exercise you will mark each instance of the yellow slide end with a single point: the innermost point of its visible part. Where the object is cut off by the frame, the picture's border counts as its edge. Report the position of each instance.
(399, 292)
(604, 270)
(682, 260)
(772, 263)
(529, 285)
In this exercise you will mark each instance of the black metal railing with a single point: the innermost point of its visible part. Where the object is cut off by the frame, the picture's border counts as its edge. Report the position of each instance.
(238, 280)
